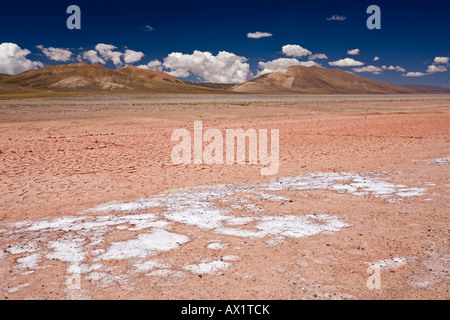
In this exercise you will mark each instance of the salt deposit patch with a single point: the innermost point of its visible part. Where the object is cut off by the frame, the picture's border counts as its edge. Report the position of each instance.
(299, 226)
(80, 242)
(22, 248)
(230, 258)
(109, 279)
(353, 183)
(144, 245)
(195, 206)
(75, 242)
(217, 246)
(445, 160)
(30, 261)
(287, 226)
(208, 267)
(17, 288)
(67, 250)
(149, 265)
(161, 273)
(389, 263)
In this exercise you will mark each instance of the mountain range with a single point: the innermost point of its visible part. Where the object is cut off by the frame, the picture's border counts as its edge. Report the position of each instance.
(82, 77)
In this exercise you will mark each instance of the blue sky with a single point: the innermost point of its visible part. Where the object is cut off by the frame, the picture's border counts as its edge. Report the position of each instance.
(413, 39)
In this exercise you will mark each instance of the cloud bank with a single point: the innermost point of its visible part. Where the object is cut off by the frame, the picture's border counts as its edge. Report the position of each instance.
(107, 52)
(436, 68)
(13, 59)
(283, 63)
(317, 56)
(414, 74)
(56, 54)
(440, 64)
(372, 69)
(154, 65)
(225, 67)
(392, 68)
(92, 57)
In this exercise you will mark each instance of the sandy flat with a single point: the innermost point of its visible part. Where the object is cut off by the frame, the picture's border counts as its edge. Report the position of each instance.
(92, 206)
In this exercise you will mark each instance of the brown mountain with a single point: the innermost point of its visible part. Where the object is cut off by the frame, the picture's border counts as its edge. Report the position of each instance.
(427, 89)
(148, 78)
(7, 88)
(316, 80)
(4, 76)
(85, 77)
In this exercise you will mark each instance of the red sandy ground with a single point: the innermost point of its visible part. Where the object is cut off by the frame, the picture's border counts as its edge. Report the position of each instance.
(56, 164)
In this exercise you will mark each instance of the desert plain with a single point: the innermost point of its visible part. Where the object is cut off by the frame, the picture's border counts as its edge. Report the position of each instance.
(92, 206)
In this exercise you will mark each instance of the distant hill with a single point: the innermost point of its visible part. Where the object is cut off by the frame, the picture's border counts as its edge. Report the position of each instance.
(317, 80)
(427, 89)
(82, 77)
(223, 86)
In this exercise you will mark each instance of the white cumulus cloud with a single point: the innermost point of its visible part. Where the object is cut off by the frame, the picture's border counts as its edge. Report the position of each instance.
(436, 68)
(414, 74)
(441, 60)
(392, 68)
(370, 68)
(56, 54)
(309, 64)
(131, 56)
(91, 56)
(155, 65)
(258, 35)
(376, 58)
(440, 64)
(283, 63)
(353, 52)
(225, 67)
(347, 62)
(107, 53)
(317, 56)
(378, 70)
(294, 50)
(13, 59)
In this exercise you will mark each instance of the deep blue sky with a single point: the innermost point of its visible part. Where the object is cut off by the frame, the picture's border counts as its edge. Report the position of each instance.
(413, 32)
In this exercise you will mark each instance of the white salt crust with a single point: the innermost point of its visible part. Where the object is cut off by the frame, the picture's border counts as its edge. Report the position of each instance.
(208, 267)
(441, 161)
(79, 241)
(388, 264)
